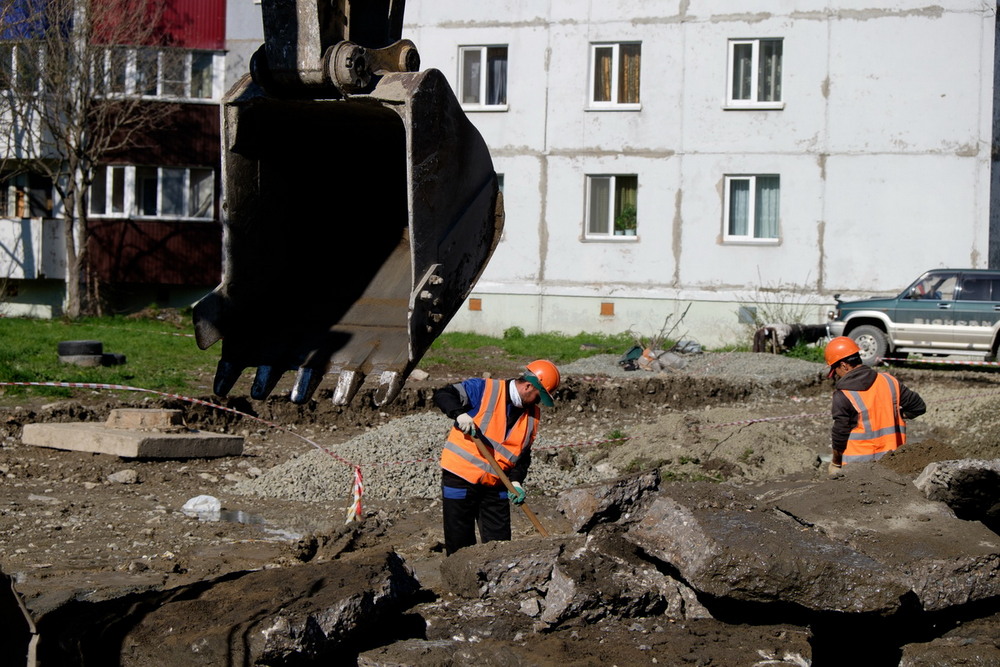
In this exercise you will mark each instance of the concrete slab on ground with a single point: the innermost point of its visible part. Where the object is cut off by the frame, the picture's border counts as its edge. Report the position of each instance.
(945, 560)
(146, 418)
(99, 439)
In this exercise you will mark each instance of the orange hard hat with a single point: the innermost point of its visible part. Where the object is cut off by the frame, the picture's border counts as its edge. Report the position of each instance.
(544, 375)
(838, 349)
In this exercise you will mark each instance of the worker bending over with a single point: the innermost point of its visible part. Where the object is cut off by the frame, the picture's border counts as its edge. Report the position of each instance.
(506, 413)
(869, 408)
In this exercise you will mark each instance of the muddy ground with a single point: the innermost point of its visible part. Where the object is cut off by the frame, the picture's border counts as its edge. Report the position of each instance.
(68, 520)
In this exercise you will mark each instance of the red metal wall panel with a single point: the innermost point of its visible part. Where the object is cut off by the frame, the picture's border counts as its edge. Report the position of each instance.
(188, 136)
(156, 252)
(195, 24)
(192, 24)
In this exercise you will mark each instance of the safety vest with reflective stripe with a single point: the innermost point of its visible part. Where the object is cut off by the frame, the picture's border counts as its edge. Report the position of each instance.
(880, 426)
(460, 454)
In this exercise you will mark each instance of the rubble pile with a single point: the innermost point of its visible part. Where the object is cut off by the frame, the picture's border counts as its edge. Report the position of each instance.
(800, 560)
(808, 558)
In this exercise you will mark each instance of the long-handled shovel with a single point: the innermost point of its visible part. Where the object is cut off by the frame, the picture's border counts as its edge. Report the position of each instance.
(484, 449)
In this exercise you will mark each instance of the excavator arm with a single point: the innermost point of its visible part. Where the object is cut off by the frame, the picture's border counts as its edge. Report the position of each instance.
(360, 206)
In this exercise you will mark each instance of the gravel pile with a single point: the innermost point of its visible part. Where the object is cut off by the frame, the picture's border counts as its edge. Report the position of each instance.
(398, 460)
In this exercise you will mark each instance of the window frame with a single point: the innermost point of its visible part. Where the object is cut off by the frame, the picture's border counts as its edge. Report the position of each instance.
(122, 69)
(484, 80)
(610, 234)
(25, 195)
(133, 197)
(753, 102)
(104, 175)
(752, 210)
(613, 104)
(15, 65)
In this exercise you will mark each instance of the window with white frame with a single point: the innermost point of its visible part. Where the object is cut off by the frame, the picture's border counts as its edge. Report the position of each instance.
(752, 208)
(117, 59)
(483, 79)
(755, 73)
(107, 192)
(161, 73)
(615, 74)
(153, 192)
(612, 205)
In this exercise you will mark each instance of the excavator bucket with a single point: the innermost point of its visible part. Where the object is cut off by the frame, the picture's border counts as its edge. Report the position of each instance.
(355, 226)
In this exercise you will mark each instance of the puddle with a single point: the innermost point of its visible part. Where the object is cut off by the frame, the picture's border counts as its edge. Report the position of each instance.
(208, 508)
(239, 516)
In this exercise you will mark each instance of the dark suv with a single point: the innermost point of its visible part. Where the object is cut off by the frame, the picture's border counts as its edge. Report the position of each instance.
(944, 312)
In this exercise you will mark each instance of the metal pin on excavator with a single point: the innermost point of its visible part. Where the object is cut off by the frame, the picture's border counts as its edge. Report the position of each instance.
(360, 205)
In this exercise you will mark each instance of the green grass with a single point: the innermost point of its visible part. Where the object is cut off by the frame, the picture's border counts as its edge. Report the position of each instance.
(558, 348)
(164, 357)
(160, 356)
(807, 352)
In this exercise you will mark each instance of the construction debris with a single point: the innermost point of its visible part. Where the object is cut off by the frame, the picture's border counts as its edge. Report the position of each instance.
(779, 338)
(135, 433)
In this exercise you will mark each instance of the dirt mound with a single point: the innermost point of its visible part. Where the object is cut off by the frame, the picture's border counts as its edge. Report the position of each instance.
(718, 444)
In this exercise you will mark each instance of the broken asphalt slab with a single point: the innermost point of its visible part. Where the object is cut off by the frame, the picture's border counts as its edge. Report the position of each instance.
(575, 579)
(727, 548)
(272, 616)
(971, 487)
(869, 542)
(944, 560)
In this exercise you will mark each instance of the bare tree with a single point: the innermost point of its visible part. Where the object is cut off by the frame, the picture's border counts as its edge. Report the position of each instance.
(79, 76)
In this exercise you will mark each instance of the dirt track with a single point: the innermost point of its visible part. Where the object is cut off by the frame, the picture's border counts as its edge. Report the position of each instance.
(66, 525)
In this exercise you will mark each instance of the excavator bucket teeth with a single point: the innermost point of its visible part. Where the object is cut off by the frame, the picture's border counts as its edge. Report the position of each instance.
(354, 229)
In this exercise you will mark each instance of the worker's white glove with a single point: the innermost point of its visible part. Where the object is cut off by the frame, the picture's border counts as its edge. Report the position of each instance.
(517, 498)
(465, 424)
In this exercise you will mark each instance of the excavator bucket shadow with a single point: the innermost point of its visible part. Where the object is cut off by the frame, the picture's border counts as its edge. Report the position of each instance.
(354, 229)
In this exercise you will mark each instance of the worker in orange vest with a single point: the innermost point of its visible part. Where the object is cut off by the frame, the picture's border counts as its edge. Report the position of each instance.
(506, 413)
(869, 408)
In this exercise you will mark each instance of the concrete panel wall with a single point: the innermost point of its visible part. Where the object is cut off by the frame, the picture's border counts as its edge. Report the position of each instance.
(882, 144)
(244, 35)
(32, 248)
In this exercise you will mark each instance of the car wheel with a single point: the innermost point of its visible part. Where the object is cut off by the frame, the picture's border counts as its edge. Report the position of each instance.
(873, 343)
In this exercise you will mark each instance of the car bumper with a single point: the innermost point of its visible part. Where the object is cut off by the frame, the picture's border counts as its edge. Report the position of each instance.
(835, 328)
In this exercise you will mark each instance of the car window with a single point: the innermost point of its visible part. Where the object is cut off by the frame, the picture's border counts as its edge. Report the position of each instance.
(935, 286)
(979, 288)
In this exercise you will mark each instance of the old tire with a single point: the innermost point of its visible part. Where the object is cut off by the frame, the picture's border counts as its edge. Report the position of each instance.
(112, 359)
(872, 341)
(89, 360)
(75, 348)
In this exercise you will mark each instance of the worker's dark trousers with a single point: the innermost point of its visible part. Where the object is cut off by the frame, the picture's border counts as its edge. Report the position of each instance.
(466, 505)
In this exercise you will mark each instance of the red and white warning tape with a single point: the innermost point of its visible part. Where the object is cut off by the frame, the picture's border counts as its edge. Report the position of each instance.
(354, 511)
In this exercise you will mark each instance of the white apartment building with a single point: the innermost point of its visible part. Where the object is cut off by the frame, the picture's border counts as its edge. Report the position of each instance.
(748, 150)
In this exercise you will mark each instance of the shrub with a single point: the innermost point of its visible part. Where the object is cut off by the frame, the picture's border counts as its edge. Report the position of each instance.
(513, 333)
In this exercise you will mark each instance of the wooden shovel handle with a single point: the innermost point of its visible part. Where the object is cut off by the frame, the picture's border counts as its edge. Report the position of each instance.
(484, 449)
